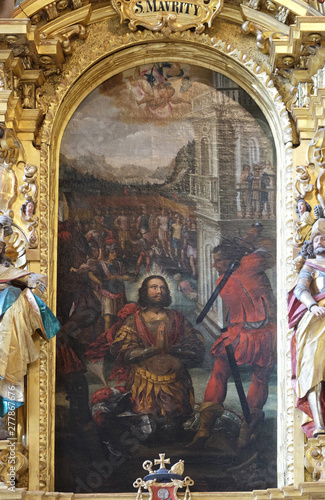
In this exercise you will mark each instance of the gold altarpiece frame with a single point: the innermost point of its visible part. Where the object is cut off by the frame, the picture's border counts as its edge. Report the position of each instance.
(103, 54)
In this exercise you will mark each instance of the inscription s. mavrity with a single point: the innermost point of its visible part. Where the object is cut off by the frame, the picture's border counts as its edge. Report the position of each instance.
(168, 15)
(147, 6)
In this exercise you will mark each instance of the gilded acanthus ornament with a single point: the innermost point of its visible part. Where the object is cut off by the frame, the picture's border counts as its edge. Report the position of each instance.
(10, 146)
(40, 101)
(28, 90)
(30, 188)
(65, 36)
(16, 245)
(8, 475)
(10, 149)
(316, 155)
(315, 458)
(51, 11)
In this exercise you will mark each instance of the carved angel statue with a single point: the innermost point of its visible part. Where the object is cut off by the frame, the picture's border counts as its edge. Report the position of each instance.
(304, 226)
(28, 215)
(302, 183)
(22, 313)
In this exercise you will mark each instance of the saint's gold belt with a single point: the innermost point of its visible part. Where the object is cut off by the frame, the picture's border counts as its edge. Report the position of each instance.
(158, 379)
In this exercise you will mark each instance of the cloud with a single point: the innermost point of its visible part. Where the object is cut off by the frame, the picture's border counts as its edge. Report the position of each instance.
(122, 144)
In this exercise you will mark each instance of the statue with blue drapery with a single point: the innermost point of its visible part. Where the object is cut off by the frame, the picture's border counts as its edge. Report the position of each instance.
(22, 314)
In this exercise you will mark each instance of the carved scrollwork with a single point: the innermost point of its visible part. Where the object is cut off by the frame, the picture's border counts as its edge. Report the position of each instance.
(316, 149)
(262, 42)
(66, 35)
(51, 11)
(3, 79)
(41, 102)
(30, 188)
(13, 467)
(270, 6)
(33, 236)
(10, 149)
(17, 243)
(316, 155)
(302, 183)
(28, 90)
(54, 10)
(36, 18)
(315, 458)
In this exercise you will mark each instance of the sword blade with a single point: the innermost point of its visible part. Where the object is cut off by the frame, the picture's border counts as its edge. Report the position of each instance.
(238, 383)
(231, 269)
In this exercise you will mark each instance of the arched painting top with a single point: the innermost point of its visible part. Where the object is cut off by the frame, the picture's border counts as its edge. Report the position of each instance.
(100, 63)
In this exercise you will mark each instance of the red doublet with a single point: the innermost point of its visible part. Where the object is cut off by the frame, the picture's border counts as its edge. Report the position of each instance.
(249, 300)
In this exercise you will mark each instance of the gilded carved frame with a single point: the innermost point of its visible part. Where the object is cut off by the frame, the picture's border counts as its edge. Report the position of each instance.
(95, 64)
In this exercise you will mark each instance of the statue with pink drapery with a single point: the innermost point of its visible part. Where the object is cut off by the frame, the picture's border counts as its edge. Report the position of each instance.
(307, 316)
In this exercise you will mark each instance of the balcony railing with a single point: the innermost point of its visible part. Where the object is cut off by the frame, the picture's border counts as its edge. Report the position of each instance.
(256, 201)
(205, 187)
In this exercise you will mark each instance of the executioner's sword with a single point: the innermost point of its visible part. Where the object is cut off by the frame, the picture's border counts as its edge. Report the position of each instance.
(229, 349)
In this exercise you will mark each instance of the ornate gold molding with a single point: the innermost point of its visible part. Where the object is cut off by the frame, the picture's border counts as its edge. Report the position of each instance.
(10, 151)
(97, 63)
(29, 58)
(262, 25)
(304, 491)
(18, 472)
(315, 458)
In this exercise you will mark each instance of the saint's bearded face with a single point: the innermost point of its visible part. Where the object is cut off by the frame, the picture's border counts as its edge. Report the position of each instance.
(157, 291)
(154, 292)
(319, 244)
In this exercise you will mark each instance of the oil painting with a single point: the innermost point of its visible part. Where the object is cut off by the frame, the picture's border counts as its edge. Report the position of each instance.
(166, 281)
